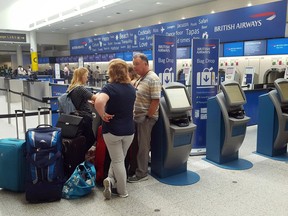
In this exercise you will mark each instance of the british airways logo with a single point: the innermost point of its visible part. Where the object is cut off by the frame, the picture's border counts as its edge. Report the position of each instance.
(258, 22)
(270, 15)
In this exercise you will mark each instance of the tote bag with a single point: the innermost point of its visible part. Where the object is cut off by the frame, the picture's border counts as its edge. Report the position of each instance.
(81, 182)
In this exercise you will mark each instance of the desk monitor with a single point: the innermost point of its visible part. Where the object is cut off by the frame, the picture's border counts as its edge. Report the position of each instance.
(282, 89)
(177, 98)
(233, 93)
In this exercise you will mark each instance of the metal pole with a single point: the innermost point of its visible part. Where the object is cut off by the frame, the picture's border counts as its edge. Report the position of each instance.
(9, 104)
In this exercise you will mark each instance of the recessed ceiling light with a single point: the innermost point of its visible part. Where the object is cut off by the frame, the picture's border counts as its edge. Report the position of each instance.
(249, 4)
(212, 12)
(131, 10)
(158, 3)
(91, 21)
(95, 34)
(108, 32)
(76, 25)
(183, 18)
(108, 16)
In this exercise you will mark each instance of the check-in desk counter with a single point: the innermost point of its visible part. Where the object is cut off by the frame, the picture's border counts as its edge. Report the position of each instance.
(272, 131)
(2, 85)
(36, 89)
(172, 135)
(226, 123)
(15, 85)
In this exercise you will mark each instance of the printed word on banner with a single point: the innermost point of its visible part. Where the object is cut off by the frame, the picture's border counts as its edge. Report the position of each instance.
(165, 58)
(205, 53)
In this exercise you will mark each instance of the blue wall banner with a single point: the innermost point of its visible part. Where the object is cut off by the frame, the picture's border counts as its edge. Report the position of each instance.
(165, 58)
(205, 55)
(249, 23)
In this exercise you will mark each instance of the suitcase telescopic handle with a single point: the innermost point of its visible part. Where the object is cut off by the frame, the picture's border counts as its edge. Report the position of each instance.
(24, 121)
(44, 109)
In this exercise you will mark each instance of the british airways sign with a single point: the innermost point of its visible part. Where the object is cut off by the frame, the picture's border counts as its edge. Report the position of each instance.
(249, 23)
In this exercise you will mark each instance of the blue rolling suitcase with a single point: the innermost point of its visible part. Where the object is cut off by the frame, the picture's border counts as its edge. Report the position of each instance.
(12, 161)
(45, 175)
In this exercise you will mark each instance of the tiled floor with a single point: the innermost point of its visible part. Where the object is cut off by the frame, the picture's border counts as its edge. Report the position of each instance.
(260, 190)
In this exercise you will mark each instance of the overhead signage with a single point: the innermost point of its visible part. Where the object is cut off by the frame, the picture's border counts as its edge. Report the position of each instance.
(233, 49)
(253, 48)
(165, 58)
(205, 53)
(249, 23)
(12, 37)
(277, 46)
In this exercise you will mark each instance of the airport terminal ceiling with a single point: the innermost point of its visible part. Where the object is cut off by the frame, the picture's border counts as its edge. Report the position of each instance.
(70, 16)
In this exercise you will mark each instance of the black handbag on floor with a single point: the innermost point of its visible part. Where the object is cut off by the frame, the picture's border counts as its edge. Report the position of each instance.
(71, 125)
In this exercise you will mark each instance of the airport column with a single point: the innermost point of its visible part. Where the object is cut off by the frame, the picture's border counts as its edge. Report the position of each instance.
(19, 55)
(33, 51)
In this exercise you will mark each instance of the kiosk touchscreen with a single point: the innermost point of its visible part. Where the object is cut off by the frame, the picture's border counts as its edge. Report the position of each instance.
(226, 123)
(248, 78)
(173, 133)
(272, 128)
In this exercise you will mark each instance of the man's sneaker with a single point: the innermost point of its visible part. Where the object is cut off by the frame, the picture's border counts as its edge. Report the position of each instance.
(135, 179)
(107, 188)
(115, 193)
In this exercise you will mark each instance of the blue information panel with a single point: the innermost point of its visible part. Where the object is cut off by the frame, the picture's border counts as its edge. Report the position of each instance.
(165, 58)
(183, 52)
(205, 53)
(233, 49)
(249, 23)
(257, 47)
(277, 46)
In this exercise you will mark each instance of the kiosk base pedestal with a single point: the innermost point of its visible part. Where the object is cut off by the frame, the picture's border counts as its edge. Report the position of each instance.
(282, 157)
(239, 164)
(181, 179)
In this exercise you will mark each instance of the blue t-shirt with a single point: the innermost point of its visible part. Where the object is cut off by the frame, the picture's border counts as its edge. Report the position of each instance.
(120, 104)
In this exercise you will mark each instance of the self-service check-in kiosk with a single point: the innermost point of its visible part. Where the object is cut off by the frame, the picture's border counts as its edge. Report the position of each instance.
(226, 123)
(272, 134)
(231, 73)
(173, 133)
(248, 77)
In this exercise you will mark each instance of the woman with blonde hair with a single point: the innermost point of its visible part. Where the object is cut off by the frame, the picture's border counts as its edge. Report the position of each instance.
(115, 104)
(82, 99)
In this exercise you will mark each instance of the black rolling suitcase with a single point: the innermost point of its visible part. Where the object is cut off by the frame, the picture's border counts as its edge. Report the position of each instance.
(45, 175)
(74, 150)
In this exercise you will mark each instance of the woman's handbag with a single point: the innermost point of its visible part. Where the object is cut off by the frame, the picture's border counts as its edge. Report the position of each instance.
(71, 125)
(81, 182)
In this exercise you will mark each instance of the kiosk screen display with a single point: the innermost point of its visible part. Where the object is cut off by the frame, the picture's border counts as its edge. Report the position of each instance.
(234, 95)
(177, 99)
